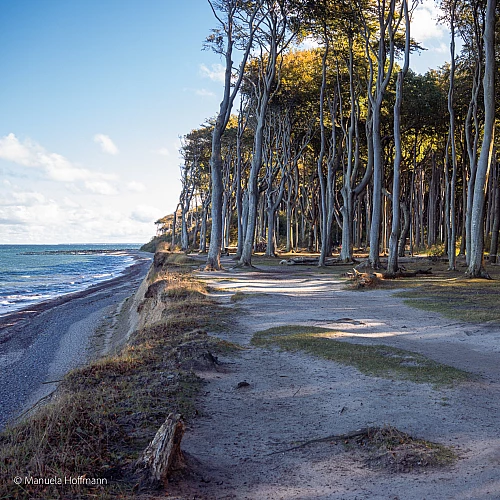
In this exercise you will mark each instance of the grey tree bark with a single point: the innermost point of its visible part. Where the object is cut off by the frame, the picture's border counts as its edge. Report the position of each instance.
(452, 240)
(387, 26)
(392, 264)
(229, 29)
(476, 268)
(274, 42)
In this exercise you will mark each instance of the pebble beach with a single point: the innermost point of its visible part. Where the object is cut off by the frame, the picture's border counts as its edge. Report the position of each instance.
(40, 344)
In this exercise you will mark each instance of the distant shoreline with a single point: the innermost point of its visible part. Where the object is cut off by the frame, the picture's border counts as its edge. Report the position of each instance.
(41, 343)
(11, 319)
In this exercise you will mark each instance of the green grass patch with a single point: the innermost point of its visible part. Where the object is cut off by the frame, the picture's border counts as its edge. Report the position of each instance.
(236, 297)
(470, 300)
(375, 360)
(239, 296)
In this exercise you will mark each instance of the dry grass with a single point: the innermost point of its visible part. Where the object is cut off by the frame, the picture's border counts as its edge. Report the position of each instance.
(392, 450)
(105, 414)
(377, 360)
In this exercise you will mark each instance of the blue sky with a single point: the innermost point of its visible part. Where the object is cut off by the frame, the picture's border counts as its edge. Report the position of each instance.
(94, 95)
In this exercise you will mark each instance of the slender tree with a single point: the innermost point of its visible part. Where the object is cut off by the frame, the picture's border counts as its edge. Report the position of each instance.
(237, 27)
(392, 264)
(476, 267)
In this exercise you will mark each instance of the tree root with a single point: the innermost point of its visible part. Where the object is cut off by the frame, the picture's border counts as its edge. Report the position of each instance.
(333, 437)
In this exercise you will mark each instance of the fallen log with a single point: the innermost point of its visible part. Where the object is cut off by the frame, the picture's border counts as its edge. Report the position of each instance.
(300, 261)
(406, 274)
(163, 454)
(293, 261)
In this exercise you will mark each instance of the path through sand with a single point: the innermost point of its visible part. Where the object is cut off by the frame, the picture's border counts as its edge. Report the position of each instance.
(295, 397)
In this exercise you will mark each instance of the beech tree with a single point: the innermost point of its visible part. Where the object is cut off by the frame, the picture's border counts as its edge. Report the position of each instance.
(237, 27)
(321, 134)
(273, 38)
(476, 268)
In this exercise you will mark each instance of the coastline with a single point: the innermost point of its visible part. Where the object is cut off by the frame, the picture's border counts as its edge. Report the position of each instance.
(40, 344)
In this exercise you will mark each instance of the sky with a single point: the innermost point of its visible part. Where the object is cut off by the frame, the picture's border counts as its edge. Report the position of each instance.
(94, 96)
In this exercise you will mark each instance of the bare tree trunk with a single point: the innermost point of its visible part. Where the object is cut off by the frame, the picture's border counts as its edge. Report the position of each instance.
(230, 91)
(452, 242)
(405, 231)
(476, 268)
(386, 35)
(392, 264)
(496, 217)
(321, 176)
(277, 29)
(347, 191)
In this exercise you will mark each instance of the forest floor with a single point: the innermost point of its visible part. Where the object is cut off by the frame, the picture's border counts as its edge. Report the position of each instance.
(262, 404)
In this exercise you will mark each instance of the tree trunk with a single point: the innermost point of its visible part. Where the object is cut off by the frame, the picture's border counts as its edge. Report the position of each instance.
(476, 268)
(392, 264)
(214, 250)
(496, 218)
(321, 176)
(163, 454)
(452, 241)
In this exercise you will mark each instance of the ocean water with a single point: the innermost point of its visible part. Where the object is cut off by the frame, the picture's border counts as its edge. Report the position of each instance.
(30, 274)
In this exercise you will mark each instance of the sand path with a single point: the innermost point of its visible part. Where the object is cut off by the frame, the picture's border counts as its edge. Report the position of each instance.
(294, 397)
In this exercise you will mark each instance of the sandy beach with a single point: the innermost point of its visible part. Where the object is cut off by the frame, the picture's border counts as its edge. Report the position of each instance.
(38, 345)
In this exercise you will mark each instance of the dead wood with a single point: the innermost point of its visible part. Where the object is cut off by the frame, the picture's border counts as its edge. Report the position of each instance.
(305, 261)
(300, 261)
(364, 280)
(406, 274)
(333, 437)
(163, 454)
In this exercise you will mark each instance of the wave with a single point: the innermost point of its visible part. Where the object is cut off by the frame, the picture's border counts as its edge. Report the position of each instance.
(55, 274)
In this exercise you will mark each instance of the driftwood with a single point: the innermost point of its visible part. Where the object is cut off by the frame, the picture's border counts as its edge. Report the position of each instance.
(372, 279)
(304, 261)
(406, 274)
(300, 261)
(163, 454)
(363, 280)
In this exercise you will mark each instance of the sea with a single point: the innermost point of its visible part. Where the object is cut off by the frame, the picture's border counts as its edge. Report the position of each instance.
(30, 274)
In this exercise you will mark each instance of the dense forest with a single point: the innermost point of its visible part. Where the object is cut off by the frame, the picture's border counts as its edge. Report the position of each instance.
(343, 146)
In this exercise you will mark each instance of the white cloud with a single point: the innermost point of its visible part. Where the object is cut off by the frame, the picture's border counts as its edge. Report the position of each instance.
(216, 73)
(69, 203)
(30, 216)
(107, 145)
(163, 152)
(136, 187)
(424, 24)
(12, 150)
(16, 198)
(100, 187)
(45, 213)
(309, 43)
(442, 49)
(53, 165)
(28, 198)
(204, 92)
(146, 213)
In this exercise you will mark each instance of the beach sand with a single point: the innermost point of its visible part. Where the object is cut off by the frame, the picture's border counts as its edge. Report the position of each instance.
(40, 344)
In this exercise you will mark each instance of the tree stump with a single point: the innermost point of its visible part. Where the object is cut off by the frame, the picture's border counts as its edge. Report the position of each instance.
(163, 454)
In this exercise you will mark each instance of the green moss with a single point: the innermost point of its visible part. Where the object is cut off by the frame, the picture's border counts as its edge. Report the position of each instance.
(377, 360)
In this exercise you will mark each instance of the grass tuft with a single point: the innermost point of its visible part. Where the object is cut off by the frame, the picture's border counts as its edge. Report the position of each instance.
(392, 450)
(376, 360)
(470, 300)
